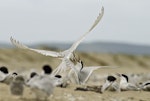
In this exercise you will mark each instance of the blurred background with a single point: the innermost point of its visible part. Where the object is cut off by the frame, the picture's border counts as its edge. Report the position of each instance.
(120, 39)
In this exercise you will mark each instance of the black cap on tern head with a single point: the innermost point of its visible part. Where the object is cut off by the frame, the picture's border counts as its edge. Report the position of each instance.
(58, 76)
(47, 69)
(4, 69)
(147, 84)
(14, 73)
(125, 76)
(33, 74)
(111, 78)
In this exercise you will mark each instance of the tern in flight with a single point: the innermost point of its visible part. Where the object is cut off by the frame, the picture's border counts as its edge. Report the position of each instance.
(64, 55)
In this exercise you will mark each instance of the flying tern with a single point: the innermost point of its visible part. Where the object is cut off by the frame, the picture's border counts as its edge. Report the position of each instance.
(64, 55)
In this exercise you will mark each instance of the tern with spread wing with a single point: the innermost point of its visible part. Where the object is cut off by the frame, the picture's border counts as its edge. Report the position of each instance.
(83, 72)
(64, 55)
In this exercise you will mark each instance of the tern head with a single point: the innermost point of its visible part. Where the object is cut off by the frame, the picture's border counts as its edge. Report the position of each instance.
(125, 76)
(109, 81)
(57, 81)
(147, 84)
(33, 74)
(47, 69)
(4, 70)
(14, 73)
(58, 76)
(111, 78)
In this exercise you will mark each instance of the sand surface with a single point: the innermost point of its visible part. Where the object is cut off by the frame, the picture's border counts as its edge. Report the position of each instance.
(22, 60)
(69, 94)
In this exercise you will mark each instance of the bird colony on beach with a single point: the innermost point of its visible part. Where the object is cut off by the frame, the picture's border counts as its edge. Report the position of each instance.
(70, 70)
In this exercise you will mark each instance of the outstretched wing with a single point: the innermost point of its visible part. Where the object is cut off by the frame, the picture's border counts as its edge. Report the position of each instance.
(43, 52)
(89, 70)
(74, 46)
(97, 67)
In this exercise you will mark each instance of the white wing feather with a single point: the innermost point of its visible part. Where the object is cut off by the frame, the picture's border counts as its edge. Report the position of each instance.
(74, 46)
(89, 70)
(56, 54)
(43, 52)
(60, 68)
(97, 67)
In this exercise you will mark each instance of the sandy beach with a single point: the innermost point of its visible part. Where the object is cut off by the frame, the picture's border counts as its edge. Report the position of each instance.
(21, 60)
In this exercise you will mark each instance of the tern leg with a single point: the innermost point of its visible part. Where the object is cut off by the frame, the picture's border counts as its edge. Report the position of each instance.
(75, 71)
(76, 75)
(87, 77)
(116, 86)
(56, 71)
(105, 86)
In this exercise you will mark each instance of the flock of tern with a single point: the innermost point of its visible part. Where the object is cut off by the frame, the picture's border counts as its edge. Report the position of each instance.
(70, 69)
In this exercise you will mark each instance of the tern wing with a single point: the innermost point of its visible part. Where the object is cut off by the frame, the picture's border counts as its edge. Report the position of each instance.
(61, 68)
(105, 86)
(89, 70)
(43, 52)
(97, 67)
(75, 45)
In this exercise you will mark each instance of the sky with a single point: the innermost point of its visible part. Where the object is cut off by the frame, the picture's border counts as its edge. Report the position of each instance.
(35, 21)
